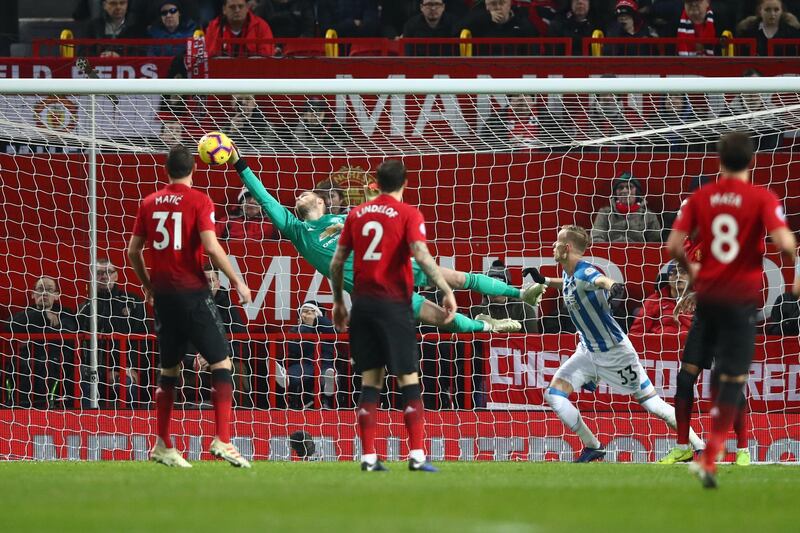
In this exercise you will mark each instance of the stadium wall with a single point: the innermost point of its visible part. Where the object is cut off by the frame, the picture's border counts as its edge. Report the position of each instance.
(450, 435)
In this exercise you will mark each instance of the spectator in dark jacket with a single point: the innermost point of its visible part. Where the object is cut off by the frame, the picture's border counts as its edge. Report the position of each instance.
(172, 23)
(288, 18)
(114, 23)
(121, 313)
(785, 316)
(431, 23)
(237, 22)
(771, 21)
(499, 21)
(578, 22)
(35, 369)
(299, 374)
(629, 23)
(350, 18)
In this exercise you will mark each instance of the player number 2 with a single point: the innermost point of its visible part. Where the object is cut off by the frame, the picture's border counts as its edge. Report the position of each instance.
(725, 246)
(369, 227)
(161, 228)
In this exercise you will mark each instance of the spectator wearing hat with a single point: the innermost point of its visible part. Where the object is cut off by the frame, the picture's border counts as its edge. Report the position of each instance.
(171, 23)
(298, 377)
(658, 309)
(317, 130)
(500, 307)
(629, 24)
(237, 22)
(246, 221)
(627, 218)
(771, 21)
(578, 22)
(432, 22)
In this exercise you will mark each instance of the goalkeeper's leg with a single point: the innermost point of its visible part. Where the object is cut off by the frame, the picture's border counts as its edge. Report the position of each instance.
(429, 313)
(481, 283)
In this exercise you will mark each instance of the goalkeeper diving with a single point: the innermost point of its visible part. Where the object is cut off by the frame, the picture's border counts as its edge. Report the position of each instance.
(315, 234)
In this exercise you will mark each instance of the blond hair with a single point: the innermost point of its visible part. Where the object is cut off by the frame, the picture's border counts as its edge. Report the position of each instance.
(576, 236)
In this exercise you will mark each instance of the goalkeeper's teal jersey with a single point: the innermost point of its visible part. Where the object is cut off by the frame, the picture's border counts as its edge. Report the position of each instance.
(315, 240)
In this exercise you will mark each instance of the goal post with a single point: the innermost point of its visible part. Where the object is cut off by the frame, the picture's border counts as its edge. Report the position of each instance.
(496, 165)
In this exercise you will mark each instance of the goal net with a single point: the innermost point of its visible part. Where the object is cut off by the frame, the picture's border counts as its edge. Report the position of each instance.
(496, 166)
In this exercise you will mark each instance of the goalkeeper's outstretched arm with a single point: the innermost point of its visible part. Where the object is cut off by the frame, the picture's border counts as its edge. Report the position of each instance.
(281, 217)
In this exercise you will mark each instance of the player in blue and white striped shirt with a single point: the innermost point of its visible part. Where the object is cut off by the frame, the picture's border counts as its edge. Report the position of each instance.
(604, 352)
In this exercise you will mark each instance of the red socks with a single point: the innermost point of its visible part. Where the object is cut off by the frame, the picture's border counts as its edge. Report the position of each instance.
(165, 399)
(222, 398)
(726, 407)
(683, 417)
(414, 417)
(367, 418)
(741, 426)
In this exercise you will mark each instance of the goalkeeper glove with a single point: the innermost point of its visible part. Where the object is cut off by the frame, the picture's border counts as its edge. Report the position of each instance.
(534, 273)
(616, 294)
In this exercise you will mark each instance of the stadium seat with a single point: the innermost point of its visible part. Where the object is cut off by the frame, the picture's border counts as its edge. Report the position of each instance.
(389, 48)
(303, 49)
(44, 28)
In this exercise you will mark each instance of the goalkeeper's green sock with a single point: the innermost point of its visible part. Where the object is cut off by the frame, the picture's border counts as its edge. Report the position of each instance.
(489, 286)
(464, 324)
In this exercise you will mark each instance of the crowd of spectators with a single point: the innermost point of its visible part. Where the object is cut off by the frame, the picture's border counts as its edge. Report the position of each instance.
(238, 28)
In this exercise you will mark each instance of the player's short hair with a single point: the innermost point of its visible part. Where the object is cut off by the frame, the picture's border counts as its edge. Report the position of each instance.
(391, 175)
(576, 236)
(180, 162)
(735, 151)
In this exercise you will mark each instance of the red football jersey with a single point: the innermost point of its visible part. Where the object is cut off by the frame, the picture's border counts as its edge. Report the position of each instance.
(170, 221)
(380, 233)
(731, 217)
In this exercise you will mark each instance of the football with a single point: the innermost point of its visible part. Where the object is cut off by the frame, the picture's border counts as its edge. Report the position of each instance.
(215, 148)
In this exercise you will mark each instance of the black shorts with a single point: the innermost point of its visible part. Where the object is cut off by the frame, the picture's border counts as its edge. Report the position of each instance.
(382, 334)
(187, 317)
(693, 351)
(727, 332)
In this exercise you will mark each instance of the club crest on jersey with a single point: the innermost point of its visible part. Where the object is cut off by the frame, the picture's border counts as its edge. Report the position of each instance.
(330, 231)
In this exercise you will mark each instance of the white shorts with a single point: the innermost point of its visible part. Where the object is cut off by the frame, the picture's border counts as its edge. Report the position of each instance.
(619, 367)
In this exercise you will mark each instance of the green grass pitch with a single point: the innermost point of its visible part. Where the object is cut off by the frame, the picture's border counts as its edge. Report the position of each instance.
(464, 497)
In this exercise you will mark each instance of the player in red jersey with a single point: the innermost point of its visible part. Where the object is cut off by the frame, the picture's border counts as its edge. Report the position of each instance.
(177, 224)
(730, 217)
(383, 235)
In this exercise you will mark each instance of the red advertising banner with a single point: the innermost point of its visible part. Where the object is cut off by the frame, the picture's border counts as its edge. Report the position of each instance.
(497, 67)
(106, 67)
(520, 367)
(450, 435)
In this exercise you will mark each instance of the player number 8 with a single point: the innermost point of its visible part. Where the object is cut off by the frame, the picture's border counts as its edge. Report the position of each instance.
(725, 246)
